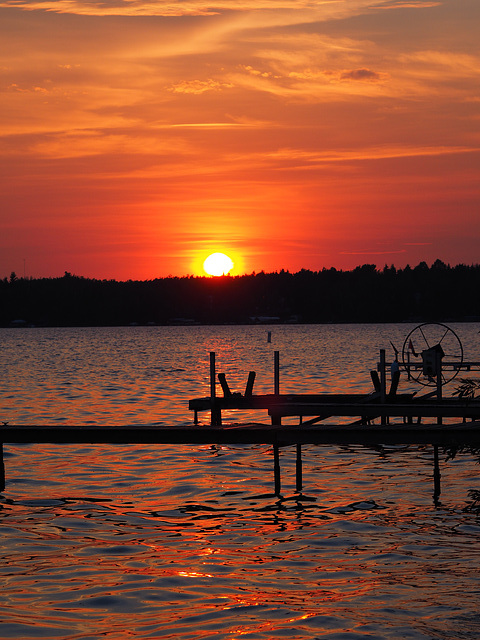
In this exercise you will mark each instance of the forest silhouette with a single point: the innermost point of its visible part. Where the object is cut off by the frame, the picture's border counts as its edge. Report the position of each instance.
(365, 294)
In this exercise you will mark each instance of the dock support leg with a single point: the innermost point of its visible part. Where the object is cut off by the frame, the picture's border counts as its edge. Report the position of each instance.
(438, 365)
(383, 384)
(2, 469)
(215, 411)
(276, 372)
(436, 475)
(299, 469)
(276, 469)
(276, 420)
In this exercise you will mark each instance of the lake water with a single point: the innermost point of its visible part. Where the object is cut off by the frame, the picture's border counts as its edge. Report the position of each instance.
(190, 542)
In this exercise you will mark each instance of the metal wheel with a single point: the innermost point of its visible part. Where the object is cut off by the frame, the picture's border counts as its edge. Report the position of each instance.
(432, 336)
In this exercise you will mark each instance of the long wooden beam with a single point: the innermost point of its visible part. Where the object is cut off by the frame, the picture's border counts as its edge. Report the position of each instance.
(434, 409)
(265, 401)
(444, 435)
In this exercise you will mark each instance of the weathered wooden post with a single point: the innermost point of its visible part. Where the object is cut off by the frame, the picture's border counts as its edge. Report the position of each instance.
(224, 384)
(276, 372)
(438, 371)
(215, 412)
(2, 469)
(276, 419)
(436, 474)
(250, 383)
(276, 469)
(383, 383)
(299, 483)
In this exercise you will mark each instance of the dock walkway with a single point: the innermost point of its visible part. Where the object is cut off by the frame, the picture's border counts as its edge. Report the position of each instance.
(452, 435)
(467, 433)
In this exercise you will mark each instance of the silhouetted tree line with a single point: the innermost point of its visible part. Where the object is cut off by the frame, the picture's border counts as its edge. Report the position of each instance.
(365, 294)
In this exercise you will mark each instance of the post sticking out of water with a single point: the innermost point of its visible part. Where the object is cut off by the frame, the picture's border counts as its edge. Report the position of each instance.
(269, 336)
(438, 371)
(383, 382)
(216, 416)
(299, 480)
(409, 375)
(276, 372)
(212, 375)
(276, 469)
(436, 475)
(250, 381)
(277, 420)
(2, 469)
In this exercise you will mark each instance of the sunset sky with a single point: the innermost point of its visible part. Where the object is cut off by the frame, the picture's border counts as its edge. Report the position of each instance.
(138, 136)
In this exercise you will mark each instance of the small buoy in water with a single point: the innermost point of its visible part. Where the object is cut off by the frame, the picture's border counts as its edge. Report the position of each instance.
(269, 336)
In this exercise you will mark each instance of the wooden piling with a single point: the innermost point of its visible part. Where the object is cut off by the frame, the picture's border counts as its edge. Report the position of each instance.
(394, 385)
(250, 382)
(276, 419)
(2, 469)
(215, 411)
(436, 474)
(276, 469)
(375, 380)
(224, 384)
(299, 469)
(383, 383)
(276, 372)
(439, 381)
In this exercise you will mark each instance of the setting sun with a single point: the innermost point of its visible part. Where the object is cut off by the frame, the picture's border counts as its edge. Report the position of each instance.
(218, 264)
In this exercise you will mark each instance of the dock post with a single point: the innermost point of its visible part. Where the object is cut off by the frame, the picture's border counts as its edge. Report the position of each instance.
(438, 371)
(436, 475)
(250, 382)
(383, 384)
(276, 469)
(224, 384)
(276, 420)
(299, 483)
(2, 469)
(409, 375)
(276, 372)
(215, 412)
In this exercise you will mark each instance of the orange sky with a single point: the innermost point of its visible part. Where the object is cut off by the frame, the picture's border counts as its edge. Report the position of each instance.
(138, 136)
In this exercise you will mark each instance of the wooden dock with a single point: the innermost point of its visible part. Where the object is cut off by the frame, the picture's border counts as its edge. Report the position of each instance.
(452, 435)
(326, 406)
(387, 405)
(464, 433)
(381, 403)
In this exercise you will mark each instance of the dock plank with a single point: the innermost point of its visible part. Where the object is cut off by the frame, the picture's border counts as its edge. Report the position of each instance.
(467, 433)
(436, 408)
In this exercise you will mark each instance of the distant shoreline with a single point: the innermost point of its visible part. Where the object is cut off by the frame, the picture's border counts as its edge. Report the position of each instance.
(439, 293)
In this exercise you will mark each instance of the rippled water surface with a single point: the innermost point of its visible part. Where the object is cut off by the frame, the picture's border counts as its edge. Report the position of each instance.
(189, 541)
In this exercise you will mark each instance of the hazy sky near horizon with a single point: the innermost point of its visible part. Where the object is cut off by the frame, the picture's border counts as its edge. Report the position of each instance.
(138, 136)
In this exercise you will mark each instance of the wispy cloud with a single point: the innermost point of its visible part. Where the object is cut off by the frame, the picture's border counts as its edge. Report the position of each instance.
(372, 252)
(198, 87)
(412, 4)
(325, 9)
(312, 158)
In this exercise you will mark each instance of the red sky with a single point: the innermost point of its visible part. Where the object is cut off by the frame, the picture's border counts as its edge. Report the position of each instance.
(138, 136)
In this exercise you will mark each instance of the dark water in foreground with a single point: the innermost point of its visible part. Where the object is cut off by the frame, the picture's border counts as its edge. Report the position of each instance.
(189, 542)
